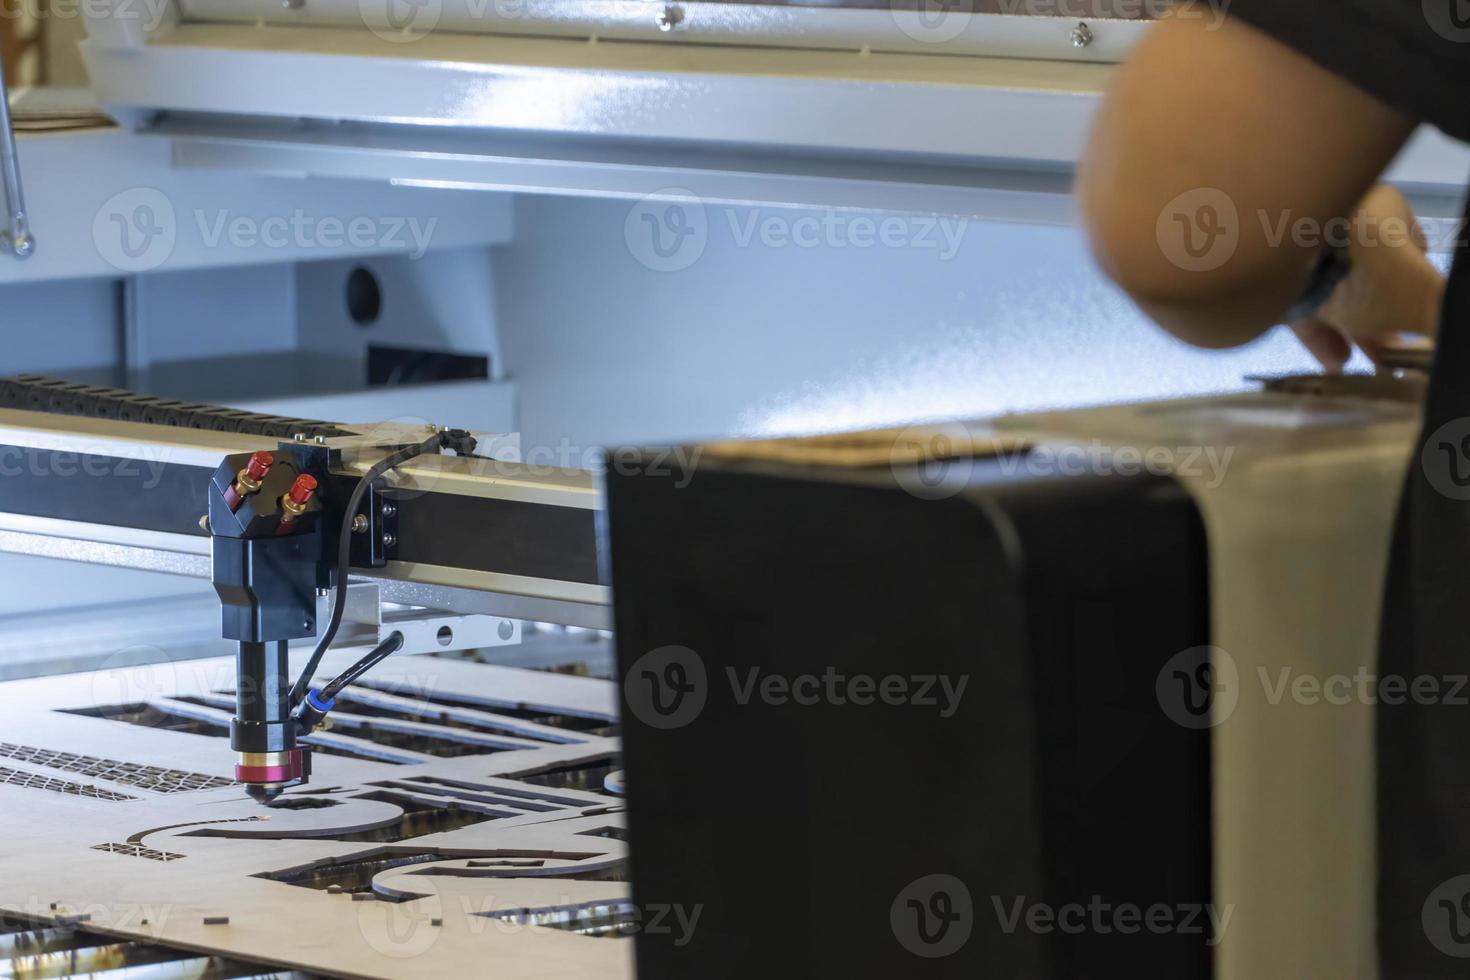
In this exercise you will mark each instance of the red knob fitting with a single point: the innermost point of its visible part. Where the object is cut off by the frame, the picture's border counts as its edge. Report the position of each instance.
(248, 480)
(259, 465)
(293, 504)
(302, 489)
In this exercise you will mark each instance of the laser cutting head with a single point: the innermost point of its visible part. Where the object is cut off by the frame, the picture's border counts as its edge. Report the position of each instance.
(270, 516)
(268, 564)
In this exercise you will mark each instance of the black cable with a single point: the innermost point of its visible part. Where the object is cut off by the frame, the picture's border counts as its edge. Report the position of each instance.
(377, 655)
(434, 443)
(314, 708)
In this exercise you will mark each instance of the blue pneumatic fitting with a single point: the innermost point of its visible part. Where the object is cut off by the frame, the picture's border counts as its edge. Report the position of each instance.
(310, 712)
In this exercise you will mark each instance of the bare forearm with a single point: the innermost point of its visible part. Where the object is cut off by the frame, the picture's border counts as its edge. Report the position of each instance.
(1211, 151)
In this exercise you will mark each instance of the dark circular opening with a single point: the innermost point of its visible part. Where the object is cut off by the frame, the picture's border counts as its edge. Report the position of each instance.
(446, 636)
(364, 297)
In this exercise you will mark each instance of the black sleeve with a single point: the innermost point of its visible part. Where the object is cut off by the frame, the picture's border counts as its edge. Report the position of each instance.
(1412, 54)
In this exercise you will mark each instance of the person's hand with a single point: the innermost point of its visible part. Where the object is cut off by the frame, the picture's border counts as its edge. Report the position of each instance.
(1392, 289)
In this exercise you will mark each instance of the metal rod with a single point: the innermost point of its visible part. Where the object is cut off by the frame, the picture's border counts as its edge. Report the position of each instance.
(18, 235)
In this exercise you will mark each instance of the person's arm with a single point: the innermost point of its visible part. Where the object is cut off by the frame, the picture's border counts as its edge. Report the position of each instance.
(1215, 157)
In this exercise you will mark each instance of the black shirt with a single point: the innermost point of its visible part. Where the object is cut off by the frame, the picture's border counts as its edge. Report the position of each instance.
(1415, 55)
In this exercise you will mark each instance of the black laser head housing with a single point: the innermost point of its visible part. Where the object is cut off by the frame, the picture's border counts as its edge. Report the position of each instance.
(269, 560)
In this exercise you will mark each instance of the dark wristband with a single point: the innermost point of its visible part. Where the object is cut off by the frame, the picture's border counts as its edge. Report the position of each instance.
(1331, 268)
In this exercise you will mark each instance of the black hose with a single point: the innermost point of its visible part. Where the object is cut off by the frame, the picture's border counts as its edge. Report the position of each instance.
(377, 655)
(344, 549)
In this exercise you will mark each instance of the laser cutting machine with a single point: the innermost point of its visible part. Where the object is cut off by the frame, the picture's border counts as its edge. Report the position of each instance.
(507, 697)
(1056, 602)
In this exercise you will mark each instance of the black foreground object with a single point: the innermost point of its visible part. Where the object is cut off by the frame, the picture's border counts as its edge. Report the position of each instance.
(1047, 820)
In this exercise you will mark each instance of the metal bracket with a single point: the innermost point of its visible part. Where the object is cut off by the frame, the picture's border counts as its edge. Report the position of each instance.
(374, 529)
(17, 239)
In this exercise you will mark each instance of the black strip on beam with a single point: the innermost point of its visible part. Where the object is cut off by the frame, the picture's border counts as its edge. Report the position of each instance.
(477, 534)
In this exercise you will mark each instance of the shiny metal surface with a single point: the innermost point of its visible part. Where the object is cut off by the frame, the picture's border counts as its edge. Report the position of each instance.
(172, 629)
(151, 447)
(1004, 28)
(18, 240)
(566, 603)
(629, 90)
(452, 589)
(454, 158)
(449, 589)
(102, 544)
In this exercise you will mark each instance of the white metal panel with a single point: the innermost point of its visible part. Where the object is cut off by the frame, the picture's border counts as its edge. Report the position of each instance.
(175, 316)
(822, 128)
(743, 332)
(462, 162)
(110, 203)
(894, 103)
(51, 325)
(443, 302)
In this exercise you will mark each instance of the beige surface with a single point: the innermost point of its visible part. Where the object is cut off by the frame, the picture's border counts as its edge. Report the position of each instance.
(1298, 527)
(910, 446)
(48, 857)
